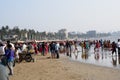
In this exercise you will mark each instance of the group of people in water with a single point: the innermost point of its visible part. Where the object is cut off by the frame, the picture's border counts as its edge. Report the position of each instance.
(10, 52)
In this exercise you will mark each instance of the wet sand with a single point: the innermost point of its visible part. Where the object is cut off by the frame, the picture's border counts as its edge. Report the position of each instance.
(62, 69)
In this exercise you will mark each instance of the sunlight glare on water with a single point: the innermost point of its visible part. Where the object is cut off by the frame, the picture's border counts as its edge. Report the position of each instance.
(100, 58)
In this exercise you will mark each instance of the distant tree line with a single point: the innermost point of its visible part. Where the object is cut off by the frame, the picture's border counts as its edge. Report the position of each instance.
(30, 34)
(22, 34)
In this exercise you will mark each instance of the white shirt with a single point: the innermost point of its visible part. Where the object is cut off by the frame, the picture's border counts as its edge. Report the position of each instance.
(2, 51)
(118, 44)
(57, 46)
(13, 47)
(24, 47)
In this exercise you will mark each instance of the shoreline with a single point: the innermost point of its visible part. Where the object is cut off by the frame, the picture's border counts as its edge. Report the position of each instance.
(95, 64)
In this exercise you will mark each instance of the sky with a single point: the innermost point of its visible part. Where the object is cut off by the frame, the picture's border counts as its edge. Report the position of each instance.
(53, 15)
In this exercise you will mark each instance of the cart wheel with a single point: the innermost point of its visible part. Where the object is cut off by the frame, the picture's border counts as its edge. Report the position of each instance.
(28, 58)
(20, 59)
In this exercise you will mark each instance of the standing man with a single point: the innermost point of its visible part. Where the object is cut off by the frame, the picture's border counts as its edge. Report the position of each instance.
(114, 48)
(9, 53)
(57, 46)
(118, 45)
(43, 48)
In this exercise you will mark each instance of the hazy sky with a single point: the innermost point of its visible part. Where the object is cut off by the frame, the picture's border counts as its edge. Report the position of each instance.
(52, 15)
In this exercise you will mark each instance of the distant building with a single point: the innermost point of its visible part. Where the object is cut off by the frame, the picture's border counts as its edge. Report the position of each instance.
(91, 33)
(63, 34)
(10, 37)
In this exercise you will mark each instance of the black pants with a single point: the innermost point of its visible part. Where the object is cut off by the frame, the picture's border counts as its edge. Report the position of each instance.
(57, 54)
(119, 51)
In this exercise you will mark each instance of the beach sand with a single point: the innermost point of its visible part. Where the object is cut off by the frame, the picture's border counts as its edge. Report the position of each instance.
(62, 69)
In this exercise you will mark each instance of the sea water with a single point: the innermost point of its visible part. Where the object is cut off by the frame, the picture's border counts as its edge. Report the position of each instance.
(101, 58)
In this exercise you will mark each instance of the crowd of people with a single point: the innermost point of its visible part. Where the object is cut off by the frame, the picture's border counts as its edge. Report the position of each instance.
(9, 52)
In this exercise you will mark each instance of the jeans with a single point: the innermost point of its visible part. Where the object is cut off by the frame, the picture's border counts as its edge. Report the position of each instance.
(10, 67)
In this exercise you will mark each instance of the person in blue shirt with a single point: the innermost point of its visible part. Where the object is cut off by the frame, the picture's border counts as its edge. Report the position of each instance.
(9, 53)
